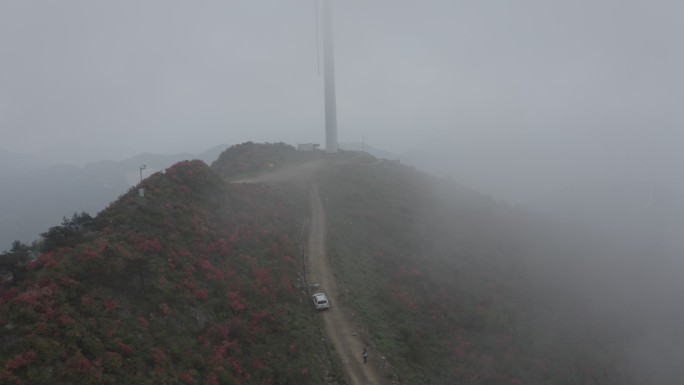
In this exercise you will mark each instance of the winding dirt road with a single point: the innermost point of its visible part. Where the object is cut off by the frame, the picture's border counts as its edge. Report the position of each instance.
(339, 328)
(299, 172)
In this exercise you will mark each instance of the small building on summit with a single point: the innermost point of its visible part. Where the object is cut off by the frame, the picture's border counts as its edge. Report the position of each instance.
(307, 146)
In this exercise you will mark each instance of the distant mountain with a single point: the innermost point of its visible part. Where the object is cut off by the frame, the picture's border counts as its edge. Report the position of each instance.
(79, 155)
(15, 160)
(34, 198)
(129, 169)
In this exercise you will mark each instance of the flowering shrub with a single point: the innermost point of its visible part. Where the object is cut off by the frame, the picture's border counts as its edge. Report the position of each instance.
(193, 286)
(21, 360)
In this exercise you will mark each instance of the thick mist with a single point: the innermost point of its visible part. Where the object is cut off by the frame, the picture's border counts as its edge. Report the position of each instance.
(170, 76)
(571, 110)
(628, 288)
(606, 290)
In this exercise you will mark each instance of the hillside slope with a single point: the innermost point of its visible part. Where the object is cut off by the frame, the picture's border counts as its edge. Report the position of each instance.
(453, 287)
(36, 196)
(199, 283)
(447, 285)
(194, 284)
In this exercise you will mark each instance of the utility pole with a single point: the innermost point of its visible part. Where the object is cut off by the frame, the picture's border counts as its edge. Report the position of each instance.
(144, 166)
(141, 190)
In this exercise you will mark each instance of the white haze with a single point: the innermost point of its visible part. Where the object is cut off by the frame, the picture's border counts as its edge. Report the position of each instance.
(489, 77)
(572, 108)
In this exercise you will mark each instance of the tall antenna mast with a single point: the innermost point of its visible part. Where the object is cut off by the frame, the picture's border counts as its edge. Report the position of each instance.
(329, 80)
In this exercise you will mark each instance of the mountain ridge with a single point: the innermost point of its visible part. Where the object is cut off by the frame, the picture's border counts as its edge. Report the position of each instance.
(36, 197)
(445, 284)
(162, 289)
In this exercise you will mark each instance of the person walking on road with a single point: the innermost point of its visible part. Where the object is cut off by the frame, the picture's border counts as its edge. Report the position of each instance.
(365, 355)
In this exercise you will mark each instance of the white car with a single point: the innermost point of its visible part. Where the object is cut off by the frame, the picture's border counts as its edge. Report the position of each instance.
(321, 301)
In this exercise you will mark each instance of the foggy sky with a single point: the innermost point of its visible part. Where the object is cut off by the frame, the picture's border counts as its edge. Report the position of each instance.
(515, 98)
(175, 75)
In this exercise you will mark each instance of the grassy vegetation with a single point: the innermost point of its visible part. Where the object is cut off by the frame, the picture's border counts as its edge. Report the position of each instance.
(250, 158)
(194, 284)
(197, 283)
(442, 280)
